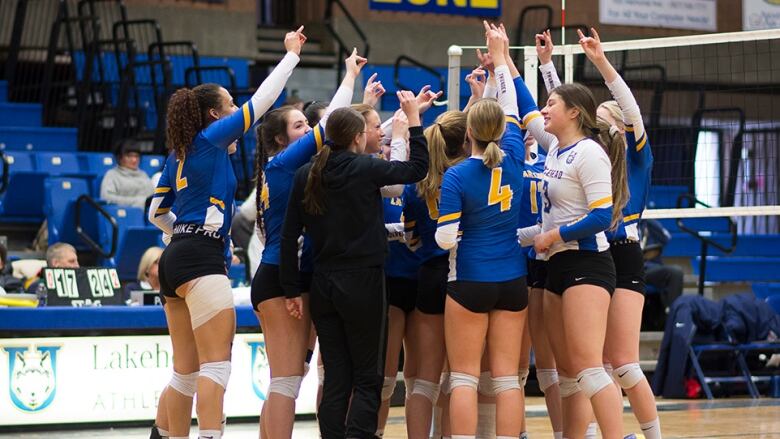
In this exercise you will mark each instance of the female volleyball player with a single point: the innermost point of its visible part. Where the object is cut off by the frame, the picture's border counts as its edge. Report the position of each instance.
(625, 308)
(481, 196)
(337, 199)
(578, 207)
(290, 143)
(203, 125)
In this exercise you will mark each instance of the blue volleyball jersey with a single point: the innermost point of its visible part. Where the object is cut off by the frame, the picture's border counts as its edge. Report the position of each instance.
(201, 186)
(420, 218)
(278, 176)
(533, 179)
(487, 203)
(400, 261)
(639, 163)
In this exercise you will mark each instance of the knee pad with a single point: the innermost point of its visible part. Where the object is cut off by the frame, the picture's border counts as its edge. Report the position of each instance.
(427, 389)
(458, 379)
(568, 386)
(184, 384)
(207, 296)
(286, 386)
(522, 376)
(505, 383)
(608, 368)
(546, 378)
(486, 386)
(444, 383)
(321, 374)
(628, 375)
(593, 380)
(409, 386)
(388, 387)
(306, 368)
(219, 372)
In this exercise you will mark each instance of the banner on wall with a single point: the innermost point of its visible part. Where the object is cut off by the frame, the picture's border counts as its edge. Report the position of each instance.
(62, 380)
(673, 14)
(760, 14)
(481, 8)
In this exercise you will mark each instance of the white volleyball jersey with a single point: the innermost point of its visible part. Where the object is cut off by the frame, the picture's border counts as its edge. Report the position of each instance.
(577, 180)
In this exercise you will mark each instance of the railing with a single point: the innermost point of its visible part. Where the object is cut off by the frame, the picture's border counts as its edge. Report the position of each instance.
(416, 63)
(96, 248)
(343, 48)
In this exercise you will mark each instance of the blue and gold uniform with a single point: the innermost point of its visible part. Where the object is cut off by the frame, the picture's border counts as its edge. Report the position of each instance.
(275, 193)
(401, 264)
(531, 212)
(639, 163)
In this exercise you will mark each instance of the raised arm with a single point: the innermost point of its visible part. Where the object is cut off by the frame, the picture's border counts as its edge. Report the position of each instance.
(544, 52)
(227, 130)
(399, 151)
(343, 97)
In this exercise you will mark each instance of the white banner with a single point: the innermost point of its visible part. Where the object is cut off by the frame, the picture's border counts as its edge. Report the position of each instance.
(673, 14)
(100, 379)
(760, 14)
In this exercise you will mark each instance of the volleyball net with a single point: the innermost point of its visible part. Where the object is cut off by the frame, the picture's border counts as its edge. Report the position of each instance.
(711, 105)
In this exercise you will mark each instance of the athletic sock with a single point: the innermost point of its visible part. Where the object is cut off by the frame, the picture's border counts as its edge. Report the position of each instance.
(210, 434)
(592, 430)
(557, 435)
(652, 429)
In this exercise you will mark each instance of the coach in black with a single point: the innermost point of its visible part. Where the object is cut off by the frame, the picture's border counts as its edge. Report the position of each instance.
(336, 199)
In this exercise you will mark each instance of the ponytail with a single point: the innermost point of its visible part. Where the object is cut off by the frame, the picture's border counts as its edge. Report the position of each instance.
(314, 192)
(445, 140)
(493, 155)
(261, 159)
(273, 125)
(612, 141)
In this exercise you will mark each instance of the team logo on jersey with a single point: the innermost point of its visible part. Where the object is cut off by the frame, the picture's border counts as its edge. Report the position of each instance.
(261, 376)
(32, 381)
(570, 157)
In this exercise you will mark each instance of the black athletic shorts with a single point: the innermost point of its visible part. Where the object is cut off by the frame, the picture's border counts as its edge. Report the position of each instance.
(629, 265)
(267, 285)
(580, 267)
(537, 273)
(401, 293)
(483, 297)
(189, 257)
(432, 285)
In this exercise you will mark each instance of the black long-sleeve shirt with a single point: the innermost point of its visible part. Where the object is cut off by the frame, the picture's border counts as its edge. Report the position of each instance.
(351, 233)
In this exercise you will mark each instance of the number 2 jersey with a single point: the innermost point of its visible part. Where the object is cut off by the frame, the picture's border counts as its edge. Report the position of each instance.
(486, 203)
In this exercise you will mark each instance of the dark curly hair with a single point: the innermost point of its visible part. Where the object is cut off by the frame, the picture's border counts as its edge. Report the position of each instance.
(188, 114)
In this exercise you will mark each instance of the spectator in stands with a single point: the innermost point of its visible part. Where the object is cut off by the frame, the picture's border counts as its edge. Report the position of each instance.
(59, 255)
(126, 184)
(7, 282)
(148, 277)
(667, 279)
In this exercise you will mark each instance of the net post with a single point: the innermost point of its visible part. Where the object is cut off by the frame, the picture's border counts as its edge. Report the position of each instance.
(530, 64)
(454, 53)
(568, 63)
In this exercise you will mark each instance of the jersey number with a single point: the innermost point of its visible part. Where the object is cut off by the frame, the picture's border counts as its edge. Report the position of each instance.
(181, 182)
(499, 194)
(265, 197)
(545, 197)
(534, 199)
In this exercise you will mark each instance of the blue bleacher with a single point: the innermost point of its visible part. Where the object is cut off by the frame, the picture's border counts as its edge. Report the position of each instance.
(134, 237)
(739, 268)
(151, 163)
(3, 91)
(763, 290)
(55, 163)
(685, 245)
(23, 200)
(20, 114)
(96, 164)
(38, 138)
(60, 195)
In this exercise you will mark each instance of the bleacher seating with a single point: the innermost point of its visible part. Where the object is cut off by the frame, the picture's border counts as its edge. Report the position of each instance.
(56, 164)
(133, 238)
(96, 164)
(60, 195)
(152, 163)
(23, 200)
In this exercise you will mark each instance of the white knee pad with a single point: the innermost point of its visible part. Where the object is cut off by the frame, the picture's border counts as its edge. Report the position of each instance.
(409, 386)
(219, 372)
(568, 386)
(444, 383)
(592, 380)
(506, 383)
(608, 368)
(427, 389)
(286, 386)
(321, 374)
(628, 375)
(184, 384)
(388, 387)
(486, 386)
(522, 376)
(207, 296)
(458, 379)
(546, 378)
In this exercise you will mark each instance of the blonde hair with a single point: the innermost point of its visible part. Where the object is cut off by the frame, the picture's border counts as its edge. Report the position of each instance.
(150, 256)
(486, 121)
(580, 97)
(616, 112)
(445, 150)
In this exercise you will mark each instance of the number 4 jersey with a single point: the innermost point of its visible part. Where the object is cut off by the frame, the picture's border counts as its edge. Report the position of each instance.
(486, 202)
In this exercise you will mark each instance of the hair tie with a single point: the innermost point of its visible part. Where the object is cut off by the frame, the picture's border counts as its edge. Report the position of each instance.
(613, 130)
(329, 143)
(595, 131)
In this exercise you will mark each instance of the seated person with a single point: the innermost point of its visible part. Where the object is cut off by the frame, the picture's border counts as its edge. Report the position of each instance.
(59, 255)
(667, 279)
(126, 184)
(148, 276)
(7, 282)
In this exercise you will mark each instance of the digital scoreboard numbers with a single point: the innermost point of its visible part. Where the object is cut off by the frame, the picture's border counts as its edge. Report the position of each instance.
(82, 286)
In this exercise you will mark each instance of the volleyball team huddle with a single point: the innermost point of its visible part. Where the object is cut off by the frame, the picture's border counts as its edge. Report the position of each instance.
(496, 229)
